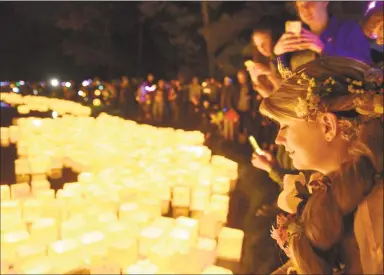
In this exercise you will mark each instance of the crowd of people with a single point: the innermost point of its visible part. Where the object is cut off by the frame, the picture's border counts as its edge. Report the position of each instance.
(319, 82)
(206, 105)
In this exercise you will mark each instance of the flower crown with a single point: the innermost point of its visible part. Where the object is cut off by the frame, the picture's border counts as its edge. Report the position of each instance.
(368, 93)
(368, 100)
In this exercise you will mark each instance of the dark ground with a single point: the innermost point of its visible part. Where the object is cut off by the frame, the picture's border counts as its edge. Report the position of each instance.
(254, 188)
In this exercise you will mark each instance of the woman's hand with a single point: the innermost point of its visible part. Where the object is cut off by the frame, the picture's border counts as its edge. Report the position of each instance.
(264, 162)
(261, 69)
(288, 42)
(310, 41)
(257, 70)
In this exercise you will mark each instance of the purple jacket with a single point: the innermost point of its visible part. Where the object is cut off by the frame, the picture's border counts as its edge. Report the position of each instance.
(340, 38)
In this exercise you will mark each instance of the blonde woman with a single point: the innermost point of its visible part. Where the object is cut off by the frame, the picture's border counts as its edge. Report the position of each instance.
(330, 115)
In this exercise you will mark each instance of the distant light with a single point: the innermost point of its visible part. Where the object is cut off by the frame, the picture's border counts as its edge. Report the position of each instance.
(96, 102)
(80, 93)
(21, 82)
(35, 92)
(150, 88)
(97, 92)
(371, 5)
(16, 90)
(206, 90)
(204, 84)
(68, 84)
(85, 98)
(85, 83)
(36, 122)
(54, 82)
(55, 114)
(101, 87)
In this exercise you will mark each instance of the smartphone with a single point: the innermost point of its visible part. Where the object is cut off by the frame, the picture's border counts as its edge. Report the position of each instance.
(249, 64)
(255, 145)
(293, 27)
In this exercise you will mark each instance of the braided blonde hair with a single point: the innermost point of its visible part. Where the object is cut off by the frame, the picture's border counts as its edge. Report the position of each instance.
(322, 217)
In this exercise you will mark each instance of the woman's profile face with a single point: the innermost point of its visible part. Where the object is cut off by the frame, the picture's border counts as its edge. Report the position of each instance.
(305, 142)
(241, 77)
(263, 43)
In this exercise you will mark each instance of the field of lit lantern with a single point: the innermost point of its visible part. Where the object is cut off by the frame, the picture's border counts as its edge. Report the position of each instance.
(147, 200)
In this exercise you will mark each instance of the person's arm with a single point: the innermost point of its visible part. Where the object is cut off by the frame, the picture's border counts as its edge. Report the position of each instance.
(276, 81)
(232, 97)
(287, 44)
(266, 90)
(138, 93)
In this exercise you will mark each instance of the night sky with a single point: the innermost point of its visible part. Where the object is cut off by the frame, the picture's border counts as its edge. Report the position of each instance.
(75, 40)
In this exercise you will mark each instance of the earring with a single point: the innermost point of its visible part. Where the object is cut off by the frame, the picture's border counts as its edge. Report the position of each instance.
(328, 139)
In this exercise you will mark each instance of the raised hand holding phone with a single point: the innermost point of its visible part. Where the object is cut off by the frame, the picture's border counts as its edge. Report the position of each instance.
(261, 159)
(311, 41)
(293, 27)
(250, 66)
(290, 40)
(256, 69)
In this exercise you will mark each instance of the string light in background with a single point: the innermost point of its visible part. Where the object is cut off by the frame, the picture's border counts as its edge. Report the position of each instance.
(54, 82)
(371, 5)
(85, 83)
(96, 102)
(55, 114)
